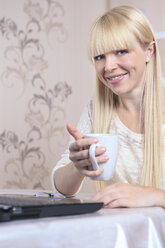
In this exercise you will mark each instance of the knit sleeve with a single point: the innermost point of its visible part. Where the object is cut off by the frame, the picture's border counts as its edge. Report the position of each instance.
(85, 125)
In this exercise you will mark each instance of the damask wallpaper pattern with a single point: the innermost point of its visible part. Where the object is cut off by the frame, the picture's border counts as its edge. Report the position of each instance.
(23, 161)
(44, 72)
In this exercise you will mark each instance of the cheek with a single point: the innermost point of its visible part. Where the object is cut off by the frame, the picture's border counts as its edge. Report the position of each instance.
(127, 64)
(99, 68)
(133, 66)
(100, 73)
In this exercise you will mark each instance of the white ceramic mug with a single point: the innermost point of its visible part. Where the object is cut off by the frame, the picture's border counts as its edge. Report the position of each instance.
(110, 142)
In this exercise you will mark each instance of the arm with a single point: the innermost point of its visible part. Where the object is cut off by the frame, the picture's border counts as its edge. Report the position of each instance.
(129, 195)
(68, 179)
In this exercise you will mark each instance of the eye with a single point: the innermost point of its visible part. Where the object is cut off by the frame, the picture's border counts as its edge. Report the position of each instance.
(99, 57)
(122, 52)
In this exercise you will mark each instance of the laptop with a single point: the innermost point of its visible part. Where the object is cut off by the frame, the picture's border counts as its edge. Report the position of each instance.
(18, 207)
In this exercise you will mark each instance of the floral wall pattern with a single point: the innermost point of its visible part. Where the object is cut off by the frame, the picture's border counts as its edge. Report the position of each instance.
(25, 63)
(44, 72)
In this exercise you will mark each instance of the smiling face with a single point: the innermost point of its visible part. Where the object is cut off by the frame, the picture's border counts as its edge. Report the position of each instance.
(118, 45)
(123, 71)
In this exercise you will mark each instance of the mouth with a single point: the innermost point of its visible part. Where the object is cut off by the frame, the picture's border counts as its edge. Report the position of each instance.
(115, 78)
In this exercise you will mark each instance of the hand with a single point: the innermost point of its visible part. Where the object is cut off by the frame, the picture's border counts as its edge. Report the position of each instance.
(79, 153)
(129, 195)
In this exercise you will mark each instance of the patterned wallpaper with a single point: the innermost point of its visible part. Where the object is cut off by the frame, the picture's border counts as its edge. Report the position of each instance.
(23, 82)
(44, 71)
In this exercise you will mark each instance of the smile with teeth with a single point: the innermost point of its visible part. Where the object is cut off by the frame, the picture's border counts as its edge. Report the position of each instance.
(116, 77)
(113, 78)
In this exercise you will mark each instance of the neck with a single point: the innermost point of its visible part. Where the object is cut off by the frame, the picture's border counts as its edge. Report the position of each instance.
(129, 113)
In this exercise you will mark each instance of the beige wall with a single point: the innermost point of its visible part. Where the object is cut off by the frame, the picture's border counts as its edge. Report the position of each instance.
(44, 74)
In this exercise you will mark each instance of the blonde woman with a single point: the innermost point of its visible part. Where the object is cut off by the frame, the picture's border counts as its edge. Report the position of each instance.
(128, 102)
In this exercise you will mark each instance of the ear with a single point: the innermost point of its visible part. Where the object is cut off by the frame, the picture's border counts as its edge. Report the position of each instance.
(150, 51)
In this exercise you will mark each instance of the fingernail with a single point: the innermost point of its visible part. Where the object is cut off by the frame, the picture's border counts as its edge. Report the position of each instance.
(102, 149)
(95, 140)
(105, 157)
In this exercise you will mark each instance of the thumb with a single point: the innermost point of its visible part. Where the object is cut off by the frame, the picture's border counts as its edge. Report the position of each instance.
(74, 131)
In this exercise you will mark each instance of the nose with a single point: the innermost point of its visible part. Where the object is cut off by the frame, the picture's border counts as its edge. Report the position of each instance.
(110, 62)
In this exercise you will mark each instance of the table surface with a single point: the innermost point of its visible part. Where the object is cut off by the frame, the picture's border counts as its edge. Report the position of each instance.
(116, 228)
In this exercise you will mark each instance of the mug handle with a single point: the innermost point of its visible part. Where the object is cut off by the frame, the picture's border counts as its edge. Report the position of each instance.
(92, 156)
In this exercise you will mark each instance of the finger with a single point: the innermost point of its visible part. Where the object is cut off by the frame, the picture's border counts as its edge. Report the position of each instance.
(95, 173)
(82, 143)
(80, 155)
(74, 132)
(108, 193)
(100, 150)
(100, 194)
(83, 163)
(103, 198)
(123, 202)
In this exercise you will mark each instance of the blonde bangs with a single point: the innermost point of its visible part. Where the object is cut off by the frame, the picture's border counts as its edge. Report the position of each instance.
(106, 37)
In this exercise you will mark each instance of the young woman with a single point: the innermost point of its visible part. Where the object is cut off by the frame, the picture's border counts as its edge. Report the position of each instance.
(128, 102)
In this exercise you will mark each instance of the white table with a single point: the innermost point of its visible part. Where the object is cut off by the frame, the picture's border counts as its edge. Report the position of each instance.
(107, 228)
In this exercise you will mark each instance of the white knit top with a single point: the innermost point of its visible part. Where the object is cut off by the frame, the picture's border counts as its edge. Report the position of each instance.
(130, 152)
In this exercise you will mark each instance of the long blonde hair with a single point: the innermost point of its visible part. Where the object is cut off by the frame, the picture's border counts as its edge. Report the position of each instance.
(113, 31)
